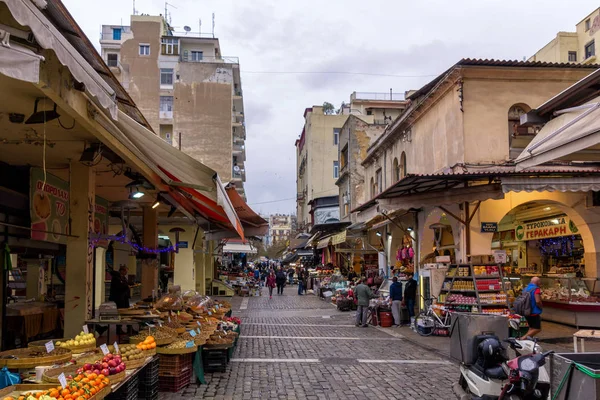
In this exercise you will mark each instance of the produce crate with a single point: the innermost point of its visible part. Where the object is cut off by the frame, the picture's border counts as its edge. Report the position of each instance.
(215, 360)
(127, 391)
(171, 365)
(148, 391)
(175, 383)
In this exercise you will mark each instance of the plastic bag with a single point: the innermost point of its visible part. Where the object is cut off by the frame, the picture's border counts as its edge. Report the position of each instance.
(8, 378)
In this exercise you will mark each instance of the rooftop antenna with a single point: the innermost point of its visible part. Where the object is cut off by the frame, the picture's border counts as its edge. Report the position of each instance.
(168, 19)
(213, 25)
(200, 26)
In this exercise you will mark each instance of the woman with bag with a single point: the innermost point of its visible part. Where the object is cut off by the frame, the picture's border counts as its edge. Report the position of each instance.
(271, 283)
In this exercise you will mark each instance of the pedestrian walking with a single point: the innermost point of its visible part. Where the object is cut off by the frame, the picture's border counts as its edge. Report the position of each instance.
(410, 294)
(363, 294)
(291, 275)
(396, 299)
(271, 283)
(280, 279)
(300, 281)
(534, 320)
(256, 274)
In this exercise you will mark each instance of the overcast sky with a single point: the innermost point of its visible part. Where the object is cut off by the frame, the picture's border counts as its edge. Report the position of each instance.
(274, 38)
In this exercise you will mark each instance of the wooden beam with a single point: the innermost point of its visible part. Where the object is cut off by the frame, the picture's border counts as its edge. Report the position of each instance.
(452, 215)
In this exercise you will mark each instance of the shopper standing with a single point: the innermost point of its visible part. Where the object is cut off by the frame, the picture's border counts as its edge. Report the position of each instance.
(363, 294)
(535, 319)
(396, 299)
(291, 275)
(410, 295)
(300, 281)
(271, 282)
(280, 280)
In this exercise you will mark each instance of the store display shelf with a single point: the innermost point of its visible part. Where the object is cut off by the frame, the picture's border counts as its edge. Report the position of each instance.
(452, 303)
(472, 290)
(486, 276)
(458, 277)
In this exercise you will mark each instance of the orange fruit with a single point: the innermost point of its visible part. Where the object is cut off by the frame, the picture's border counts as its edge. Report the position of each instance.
(100, 376)
(65, 392)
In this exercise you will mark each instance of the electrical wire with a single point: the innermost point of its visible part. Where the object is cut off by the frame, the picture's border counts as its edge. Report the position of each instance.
(336, 73)
(64, 127)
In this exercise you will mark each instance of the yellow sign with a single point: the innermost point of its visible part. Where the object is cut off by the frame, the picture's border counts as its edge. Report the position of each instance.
(339, 238)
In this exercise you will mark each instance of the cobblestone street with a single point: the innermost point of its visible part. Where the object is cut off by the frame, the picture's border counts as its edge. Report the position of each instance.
(299, 347)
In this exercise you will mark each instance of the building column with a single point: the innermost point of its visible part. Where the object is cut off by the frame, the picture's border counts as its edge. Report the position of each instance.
(80, 252)
(184, 273)
(150, 264)
(100, 276)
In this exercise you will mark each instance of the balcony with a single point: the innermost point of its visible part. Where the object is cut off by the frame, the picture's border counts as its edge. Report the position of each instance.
(373, 96)
(238, 174)
(108, 36)
(237, 119)
(239, 151)
(186, 57)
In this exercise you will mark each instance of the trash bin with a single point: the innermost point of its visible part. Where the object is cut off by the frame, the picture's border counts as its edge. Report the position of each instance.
(465, 326)
(577, 384)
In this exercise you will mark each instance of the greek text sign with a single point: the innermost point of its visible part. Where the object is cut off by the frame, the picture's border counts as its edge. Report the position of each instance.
(559, 226)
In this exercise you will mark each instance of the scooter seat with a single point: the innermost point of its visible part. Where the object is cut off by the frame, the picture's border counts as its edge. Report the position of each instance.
(496, 373)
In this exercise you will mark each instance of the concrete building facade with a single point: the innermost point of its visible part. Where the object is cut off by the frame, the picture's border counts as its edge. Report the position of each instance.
(573, 47)
(317, 160)
(190, 93)
(281, 227)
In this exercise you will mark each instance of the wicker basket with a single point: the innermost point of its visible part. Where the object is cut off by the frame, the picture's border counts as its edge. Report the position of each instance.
(51, 375)
(16, 390)
(149, 353)
(159, 342)
(116, 378)
(23, 359)
(186, 350)
(41, 346)
(133, 364)
(102, 394)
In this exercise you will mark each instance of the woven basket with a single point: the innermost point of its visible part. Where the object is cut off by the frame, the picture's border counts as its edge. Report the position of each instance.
(41, 346)
(159, 342)
(16, 390)
(133, 364)
(24, 361)
(186, 350)
(116, 378)
(149, 353)
(218, 346)
(102, 394)
(51, 375)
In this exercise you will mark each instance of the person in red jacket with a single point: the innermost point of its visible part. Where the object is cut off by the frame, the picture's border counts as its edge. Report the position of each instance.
(271, 283)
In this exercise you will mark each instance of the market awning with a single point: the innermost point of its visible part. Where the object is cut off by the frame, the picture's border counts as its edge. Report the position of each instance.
(324, 243)
(298, 243)
(48, 37)
(199, 182)
(575, 130)
(253, 224)
(237, 248)
(574, 184)
(19, 62)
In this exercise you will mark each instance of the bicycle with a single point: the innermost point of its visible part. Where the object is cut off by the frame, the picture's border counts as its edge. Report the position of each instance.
(428, 320)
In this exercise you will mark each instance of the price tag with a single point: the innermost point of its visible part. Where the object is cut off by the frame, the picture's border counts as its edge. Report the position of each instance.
(152, 326)
(116, 346)
(193, 333)
(198, 322)
(49, 346)
(159, 323)
(63, 380)
(209, 313)
(169, 318)
(198, 329)
(85, 329)
(104, 349)
(190, 344)
(217, 306)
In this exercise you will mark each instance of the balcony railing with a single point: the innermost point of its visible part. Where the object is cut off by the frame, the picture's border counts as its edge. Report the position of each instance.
(237, 119)
(376, 96)
(125, 30)
(209, 59)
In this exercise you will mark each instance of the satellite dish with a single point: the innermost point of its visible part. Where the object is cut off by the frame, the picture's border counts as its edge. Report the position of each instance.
(187, 28)
(236, 168)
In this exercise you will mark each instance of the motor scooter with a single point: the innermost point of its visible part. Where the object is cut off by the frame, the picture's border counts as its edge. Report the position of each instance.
(523, 382)
(489, 374)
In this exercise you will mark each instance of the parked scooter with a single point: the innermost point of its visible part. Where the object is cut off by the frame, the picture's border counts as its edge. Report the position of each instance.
(523, 381)
(489, 374)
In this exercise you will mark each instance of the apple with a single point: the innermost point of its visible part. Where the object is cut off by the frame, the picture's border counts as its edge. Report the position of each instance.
(105, 372)
(87, 367)
(112, 363)
(104, 365)
(97, 365)
(109, 356)
(112, 370)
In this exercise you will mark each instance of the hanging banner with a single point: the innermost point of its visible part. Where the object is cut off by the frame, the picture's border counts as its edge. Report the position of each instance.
(49, 207)
(101, 220)
(559, 226)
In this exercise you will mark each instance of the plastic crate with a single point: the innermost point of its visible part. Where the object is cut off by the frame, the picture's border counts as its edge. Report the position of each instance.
(148, 392)
(128, 391)
(172, 365)
(215, 360)
(175, 383)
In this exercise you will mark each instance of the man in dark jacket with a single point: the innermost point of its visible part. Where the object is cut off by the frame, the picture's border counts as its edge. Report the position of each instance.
(396, 299)
(119, 287)
(410, 295)
(363, 294)
(280, 279)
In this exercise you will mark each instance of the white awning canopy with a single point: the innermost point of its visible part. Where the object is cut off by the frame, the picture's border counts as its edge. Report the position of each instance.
(576, 130)
(27, 14)
(19, 63)
(529, 184)
(239, 248)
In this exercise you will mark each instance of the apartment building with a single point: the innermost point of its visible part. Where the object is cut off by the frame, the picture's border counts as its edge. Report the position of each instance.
(573, 47)
(317, 161)
(370, 114)
(281, 227)
(189, 92)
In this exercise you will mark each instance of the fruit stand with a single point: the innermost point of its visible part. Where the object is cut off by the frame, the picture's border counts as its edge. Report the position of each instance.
(189, 337)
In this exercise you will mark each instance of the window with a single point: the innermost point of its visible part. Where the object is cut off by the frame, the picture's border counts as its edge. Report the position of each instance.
(112, 60)
(572, 56)
(166, 76)
(590, 49)
(344, 157)
(373, 188)
(116, 33)
(170, 46)
(587, 24)
(166, 107)
(197, 56)
(336, 169)
(379, 181)
(402, 172)
(396, 170)
(336, 136)
(144, 49)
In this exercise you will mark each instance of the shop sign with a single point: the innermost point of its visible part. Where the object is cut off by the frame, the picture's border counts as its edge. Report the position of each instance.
(559, 226)
(500, 256)
(489, 227)
(101, 220)
(339, 238)
(182, 245)
(49, 207)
